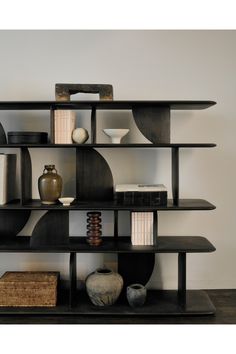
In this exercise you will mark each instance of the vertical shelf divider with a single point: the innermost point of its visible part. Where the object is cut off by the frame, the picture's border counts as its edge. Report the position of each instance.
(52, 126)
(155, 227)
(182, 278)
(73, 279)
(93, 126)
(175, 175)
(26, 176)
(116, 231)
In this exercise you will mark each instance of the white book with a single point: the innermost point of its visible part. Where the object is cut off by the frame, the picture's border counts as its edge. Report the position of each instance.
(142, 228)
(148, 221)
(139, 228)
(143, 238)
(3, 178)
(151, 229)
(134, 230)
(7, 177)
(132, 227)
(146, 228)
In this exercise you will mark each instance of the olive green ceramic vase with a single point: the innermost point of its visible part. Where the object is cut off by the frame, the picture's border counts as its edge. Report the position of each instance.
(49, 185)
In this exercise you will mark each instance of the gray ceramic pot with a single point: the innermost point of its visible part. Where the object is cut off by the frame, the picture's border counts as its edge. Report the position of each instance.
(136, 295)
(104, 287)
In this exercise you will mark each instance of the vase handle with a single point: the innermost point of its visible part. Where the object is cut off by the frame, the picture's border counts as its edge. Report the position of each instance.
(54, 169)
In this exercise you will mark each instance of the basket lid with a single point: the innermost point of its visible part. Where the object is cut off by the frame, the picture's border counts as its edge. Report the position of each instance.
(29, 277)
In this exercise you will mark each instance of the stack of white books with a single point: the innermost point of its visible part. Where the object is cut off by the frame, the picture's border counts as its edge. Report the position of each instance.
(64, 124)
(142, 228)
(7, 178)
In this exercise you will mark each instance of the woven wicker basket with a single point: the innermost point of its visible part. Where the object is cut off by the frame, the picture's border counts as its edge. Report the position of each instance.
(28, 289)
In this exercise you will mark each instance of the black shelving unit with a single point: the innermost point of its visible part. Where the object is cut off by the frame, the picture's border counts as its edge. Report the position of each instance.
(152, 118)
(35, 204)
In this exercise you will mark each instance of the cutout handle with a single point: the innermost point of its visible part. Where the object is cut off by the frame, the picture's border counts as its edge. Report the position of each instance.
(64, 91)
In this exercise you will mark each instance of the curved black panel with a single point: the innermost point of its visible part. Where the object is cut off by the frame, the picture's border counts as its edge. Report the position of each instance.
(3, 138)
(136, 267)
(52, 229)
(153, 122)
(12, 222)
(94, 179)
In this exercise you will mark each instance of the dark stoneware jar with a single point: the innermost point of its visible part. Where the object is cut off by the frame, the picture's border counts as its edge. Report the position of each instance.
(104, 287)
(50, 185)
(136, 295)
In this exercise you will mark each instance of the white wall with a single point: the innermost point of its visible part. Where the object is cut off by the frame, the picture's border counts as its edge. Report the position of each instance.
(140, 65)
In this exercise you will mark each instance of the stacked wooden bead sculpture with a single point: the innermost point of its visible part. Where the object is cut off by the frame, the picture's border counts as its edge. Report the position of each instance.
(94, 228)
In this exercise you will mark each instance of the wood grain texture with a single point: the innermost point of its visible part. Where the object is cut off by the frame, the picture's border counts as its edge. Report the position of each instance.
(224, 301)
(121, 244)
(94, 179)
(158, 303)
(94, 228)
(73, 279)
(184, 204)
(106, 104)
(153, 123)
(93, 126)
(182, 278)
(112, 146)
(175, 174)
(51, 230)
(12, 222)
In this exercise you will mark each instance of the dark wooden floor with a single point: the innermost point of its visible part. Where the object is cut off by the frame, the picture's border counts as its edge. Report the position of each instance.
(224, 301)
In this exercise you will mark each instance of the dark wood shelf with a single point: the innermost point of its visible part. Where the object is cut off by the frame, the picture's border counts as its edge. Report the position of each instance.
(159, 302)
(184, 204)
(122, 244)
(118, 146)
(153, 120)
(103, 105)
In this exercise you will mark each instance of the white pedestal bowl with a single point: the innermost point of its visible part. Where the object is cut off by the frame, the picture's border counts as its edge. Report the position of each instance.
(116, 134)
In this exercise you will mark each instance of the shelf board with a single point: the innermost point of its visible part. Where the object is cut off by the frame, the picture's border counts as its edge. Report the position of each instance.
(103, 105)
(101, 145)
(159, 302)
(165, 244)
(184, 204)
